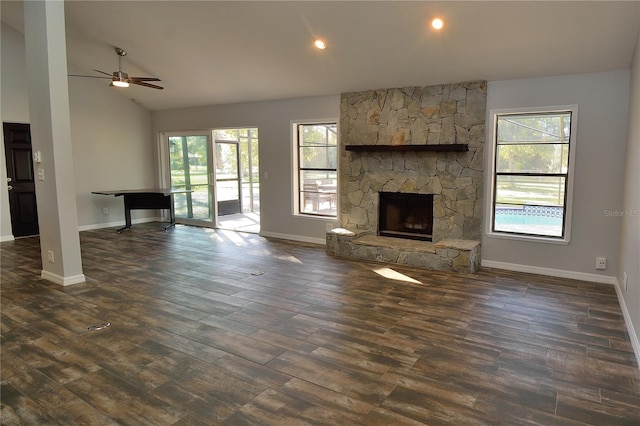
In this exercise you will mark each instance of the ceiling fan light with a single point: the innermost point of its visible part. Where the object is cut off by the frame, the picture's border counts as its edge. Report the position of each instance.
(119, 83)
(320, 44)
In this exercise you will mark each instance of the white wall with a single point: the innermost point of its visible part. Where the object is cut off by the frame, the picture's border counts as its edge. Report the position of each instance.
(14, 106)
(15, 103)
(602, 100)
(630, 229)
(273, 120)
(112, 141)
(112, 149)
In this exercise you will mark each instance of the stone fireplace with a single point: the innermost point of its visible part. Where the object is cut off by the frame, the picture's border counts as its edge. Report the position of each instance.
(414, 140)
(403, 215)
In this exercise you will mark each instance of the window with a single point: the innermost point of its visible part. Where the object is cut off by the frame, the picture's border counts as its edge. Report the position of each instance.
(316, 168)
(532, 175)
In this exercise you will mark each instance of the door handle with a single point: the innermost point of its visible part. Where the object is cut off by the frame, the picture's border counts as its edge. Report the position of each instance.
(9, 187)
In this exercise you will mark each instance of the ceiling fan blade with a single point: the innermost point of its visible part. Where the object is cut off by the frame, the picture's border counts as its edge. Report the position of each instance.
(144, 79)
(89, 76)
(140, 83)
(102, 72)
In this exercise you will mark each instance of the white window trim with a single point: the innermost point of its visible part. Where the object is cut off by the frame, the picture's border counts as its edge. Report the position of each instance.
(295, 197)
(494, 113)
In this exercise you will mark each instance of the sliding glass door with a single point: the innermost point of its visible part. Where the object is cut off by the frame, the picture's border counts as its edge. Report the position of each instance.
(191, 168)
(221, 169)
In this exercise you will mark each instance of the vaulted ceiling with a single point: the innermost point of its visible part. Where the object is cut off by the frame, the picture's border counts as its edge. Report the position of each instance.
(215, 52)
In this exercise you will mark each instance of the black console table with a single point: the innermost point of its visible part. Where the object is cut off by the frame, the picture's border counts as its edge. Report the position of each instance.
(146, 199)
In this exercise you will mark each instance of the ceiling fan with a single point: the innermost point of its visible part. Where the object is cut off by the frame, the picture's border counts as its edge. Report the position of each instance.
(122, 79)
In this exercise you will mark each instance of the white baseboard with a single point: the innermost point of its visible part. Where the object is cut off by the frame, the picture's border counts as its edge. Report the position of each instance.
(595, 278)
(118, 223)
(633, 336)
(57, 279)
(321, 241)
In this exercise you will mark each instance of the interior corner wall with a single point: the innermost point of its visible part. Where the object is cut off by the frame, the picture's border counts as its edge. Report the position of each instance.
(274, 122)
(602, 100)
(111, 136)
(630, 230)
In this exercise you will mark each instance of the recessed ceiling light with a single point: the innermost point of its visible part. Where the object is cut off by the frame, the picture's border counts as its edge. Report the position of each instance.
(437, 23)
(320, 44)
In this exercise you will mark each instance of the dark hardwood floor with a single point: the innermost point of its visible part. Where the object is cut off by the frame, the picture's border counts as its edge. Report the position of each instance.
(216, 327)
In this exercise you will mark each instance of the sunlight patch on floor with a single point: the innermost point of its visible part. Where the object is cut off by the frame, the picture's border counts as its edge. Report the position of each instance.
(289, 258)
(395, 275)
(242, 222)
(235, 237)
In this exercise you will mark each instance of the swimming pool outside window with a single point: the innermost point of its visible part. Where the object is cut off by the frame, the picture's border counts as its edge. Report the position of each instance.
(531, 171)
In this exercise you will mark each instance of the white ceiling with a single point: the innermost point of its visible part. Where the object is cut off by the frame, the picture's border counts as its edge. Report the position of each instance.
(213, 52)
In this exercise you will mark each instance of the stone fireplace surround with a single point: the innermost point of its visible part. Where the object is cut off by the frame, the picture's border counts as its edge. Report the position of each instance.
(408, 141)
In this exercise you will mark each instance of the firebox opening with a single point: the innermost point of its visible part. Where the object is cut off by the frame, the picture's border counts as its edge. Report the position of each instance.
(404, 215)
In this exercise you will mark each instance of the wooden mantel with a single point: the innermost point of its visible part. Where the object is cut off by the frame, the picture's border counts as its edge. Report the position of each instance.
(456, 147)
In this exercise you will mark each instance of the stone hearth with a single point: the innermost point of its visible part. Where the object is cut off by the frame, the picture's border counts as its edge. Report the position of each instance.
(447, 255)
(451, 114)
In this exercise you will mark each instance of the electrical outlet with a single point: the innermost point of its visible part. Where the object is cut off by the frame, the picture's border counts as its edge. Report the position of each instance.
(105, 210)
(50, 256)
(625, 281)
(601, 263)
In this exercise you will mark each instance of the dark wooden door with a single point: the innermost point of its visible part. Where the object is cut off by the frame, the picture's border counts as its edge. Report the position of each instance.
(21, 184)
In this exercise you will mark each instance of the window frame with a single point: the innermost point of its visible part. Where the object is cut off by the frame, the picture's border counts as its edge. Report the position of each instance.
(492, 172)
(296, 169)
